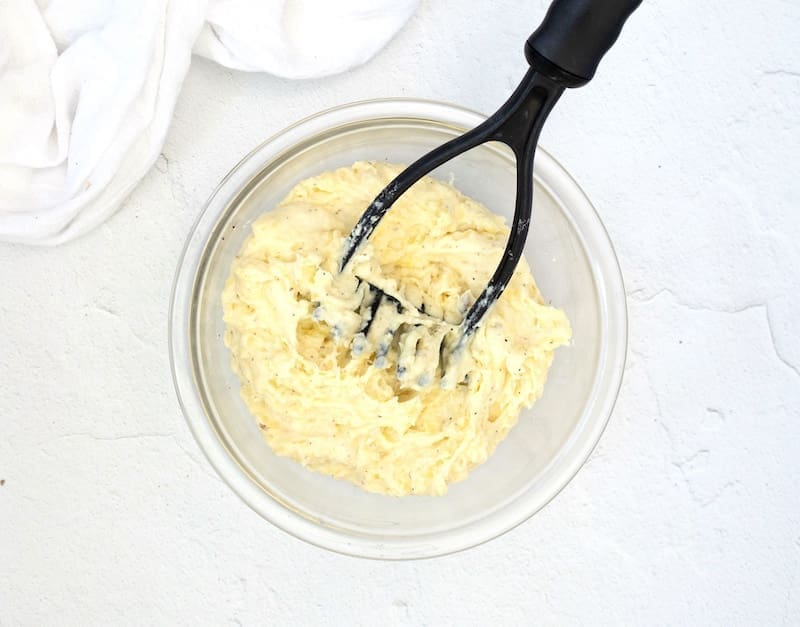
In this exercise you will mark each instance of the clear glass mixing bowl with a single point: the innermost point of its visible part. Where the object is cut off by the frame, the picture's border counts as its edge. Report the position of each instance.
(573, 262)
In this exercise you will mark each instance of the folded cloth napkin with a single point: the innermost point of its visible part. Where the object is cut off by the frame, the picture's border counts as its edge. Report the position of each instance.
(88, 87)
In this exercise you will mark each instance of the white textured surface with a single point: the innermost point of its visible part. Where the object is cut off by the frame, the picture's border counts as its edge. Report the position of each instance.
(688, 511)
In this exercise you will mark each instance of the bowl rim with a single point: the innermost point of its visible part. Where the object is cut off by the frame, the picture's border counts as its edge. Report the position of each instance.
(606, 385)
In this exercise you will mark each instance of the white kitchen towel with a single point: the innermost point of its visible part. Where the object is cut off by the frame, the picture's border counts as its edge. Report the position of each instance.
(88, 87)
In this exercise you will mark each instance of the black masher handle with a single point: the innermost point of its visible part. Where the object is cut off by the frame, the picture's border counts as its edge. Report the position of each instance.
(575, 35)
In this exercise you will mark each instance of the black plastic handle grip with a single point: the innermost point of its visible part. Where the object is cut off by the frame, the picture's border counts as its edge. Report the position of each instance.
(575, 34)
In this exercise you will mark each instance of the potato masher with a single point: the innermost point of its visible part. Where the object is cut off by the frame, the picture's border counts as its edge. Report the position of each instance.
(563, 52)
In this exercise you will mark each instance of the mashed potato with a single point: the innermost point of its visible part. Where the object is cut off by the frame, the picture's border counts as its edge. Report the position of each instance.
(291, 318)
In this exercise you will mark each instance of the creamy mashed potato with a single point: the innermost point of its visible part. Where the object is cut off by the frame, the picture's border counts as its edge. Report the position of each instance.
(291, 320)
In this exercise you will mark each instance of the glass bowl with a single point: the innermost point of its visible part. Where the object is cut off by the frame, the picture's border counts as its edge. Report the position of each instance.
(576, 269)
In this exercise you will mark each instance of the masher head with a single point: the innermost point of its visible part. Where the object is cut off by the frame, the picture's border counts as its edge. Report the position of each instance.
(392, 332)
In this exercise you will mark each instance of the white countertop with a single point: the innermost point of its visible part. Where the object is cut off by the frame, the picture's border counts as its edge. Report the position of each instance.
(688, 142)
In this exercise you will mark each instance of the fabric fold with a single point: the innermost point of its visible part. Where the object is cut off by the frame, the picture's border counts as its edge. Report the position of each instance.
(88, 88)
